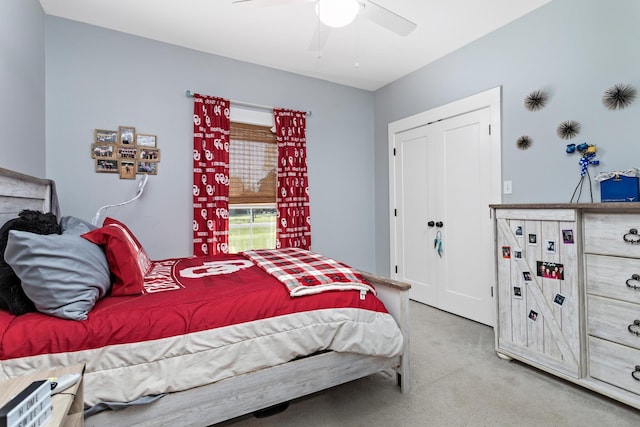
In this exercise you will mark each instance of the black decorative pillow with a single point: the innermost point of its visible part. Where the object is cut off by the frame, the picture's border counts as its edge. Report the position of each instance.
(12, 296)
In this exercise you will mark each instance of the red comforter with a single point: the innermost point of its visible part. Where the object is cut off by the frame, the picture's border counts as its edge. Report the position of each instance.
(181, 296)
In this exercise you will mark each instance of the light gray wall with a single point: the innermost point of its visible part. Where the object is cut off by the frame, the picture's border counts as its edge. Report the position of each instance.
(97, 78)
(574, 50)
(22, 87)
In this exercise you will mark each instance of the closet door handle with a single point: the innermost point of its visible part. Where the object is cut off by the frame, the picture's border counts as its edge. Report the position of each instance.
(431, 223)
(634, 278)
(439, 224)
(636, 374)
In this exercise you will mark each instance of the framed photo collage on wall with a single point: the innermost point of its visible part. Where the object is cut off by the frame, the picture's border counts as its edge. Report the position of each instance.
(125, 152)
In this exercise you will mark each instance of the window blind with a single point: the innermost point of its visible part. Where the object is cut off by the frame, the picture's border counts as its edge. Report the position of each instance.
(253, 157)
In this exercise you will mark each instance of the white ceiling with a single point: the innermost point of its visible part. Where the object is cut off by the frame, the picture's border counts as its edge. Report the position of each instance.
(363, 54)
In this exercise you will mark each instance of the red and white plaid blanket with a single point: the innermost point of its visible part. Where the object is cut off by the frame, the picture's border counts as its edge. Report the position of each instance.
(305, 273)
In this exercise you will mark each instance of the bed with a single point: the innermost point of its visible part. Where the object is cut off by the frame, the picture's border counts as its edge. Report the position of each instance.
(261, 356)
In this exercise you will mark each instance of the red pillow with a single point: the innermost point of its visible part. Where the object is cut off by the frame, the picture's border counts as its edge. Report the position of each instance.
(128, 261)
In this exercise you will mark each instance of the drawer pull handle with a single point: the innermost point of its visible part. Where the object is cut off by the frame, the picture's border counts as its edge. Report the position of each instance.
(635, 328)
(636, 374)
(632, 236)
(634, 278)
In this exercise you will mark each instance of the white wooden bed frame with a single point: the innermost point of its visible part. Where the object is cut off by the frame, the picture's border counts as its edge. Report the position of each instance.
(232, 397)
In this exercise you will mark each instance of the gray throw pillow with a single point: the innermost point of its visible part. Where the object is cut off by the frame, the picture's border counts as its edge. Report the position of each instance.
(64, 275)
(77, 226)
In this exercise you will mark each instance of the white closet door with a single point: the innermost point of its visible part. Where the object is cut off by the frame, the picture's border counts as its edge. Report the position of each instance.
(464, 198)
(442, 188)
(415, 166)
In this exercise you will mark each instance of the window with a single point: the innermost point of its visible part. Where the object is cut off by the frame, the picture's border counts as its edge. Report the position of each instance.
(253, 157)
(252, 227)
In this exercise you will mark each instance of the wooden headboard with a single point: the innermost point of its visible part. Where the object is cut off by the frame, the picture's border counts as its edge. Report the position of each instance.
(19, 191)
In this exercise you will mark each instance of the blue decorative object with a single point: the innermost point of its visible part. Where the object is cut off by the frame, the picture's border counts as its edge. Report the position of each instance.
(587, 157)
(437, 243)
(619, 186)
(582, 147)
(587, 160)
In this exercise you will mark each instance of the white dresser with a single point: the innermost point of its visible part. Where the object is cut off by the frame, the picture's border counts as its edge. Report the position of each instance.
(582, 325)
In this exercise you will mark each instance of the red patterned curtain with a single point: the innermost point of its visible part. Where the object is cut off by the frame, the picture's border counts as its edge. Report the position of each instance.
(211, 126)
(292, 198)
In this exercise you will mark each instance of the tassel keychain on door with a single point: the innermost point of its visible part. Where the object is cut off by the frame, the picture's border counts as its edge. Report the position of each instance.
(437, 243)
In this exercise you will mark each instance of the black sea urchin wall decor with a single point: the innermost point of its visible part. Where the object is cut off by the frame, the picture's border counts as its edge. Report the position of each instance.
(524, 142)
(568, 129)
(536, 100)
(619, 96)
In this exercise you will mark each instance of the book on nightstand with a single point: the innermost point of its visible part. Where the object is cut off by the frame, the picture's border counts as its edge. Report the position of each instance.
(29, 408)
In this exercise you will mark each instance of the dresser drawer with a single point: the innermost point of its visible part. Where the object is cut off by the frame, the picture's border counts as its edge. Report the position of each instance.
(613, 277)
(610, 319)
(605, 234)
(614, 364)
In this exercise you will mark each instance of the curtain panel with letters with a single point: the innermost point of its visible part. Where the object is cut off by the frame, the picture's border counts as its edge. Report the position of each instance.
(292, 192)
(211, 126)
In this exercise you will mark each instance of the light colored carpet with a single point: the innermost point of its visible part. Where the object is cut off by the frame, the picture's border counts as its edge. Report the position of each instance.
(456, 380)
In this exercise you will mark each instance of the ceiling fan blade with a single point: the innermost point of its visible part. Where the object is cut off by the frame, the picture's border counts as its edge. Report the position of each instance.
(388, 19)
(320, 37)
(266, 3)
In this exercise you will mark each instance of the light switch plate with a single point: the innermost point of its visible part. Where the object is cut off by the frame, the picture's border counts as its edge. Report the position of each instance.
(507, 187)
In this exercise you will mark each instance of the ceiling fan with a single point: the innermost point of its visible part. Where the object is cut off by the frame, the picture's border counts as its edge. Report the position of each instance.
(366, 8)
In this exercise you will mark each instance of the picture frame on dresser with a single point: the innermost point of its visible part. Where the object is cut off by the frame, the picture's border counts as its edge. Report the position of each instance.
(567, 237)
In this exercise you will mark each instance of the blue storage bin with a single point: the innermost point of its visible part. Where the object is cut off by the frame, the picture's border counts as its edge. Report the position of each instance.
(619, 188)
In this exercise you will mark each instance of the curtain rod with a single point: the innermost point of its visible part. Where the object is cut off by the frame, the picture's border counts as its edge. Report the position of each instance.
(247, 104)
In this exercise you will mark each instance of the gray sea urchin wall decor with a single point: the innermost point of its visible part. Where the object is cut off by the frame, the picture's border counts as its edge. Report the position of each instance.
(568, 129)
(524, 142)
(536, 100)
(619, 96)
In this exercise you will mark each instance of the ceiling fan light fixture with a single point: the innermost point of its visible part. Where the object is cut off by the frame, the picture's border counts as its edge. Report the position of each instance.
(337, 13)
